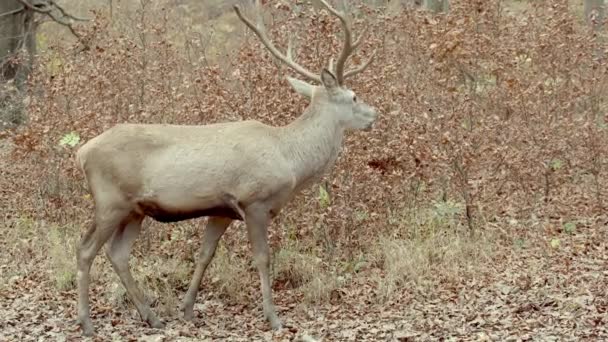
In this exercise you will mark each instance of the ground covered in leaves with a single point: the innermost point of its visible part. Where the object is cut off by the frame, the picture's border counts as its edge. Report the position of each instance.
(474, 210)
(534, 292)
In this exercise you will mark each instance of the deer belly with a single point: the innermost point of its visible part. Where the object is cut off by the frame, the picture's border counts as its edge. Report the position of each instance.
(185, 209)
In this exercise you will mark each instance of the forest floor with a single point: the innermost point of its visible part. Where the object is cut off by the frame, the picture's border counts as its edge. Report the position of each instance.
(527, 294)
(534, 289)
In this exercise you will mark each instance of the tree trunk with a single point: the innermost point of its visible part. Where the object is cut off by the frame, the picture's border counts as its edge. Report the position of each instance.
(17, 32)
(17, 36)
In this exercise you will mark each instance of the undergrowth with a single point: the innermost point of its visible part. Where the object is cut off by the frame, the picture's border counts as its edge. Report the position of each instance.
(488, 121)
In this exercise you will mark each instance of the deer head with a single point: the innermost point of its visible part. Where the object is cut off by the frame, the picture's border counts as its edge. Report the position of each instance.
(338, 101)
(331, 94)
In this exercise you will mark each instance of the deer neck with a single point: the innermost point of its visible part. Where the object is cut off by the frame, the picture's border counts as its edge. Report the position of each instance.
(312, 143)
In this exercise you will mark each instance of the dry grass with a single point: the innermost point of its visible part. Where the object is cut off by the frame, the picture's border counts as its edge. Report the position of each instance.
(429, 248)
(321, 288)
(36, 247)
(294, 266)
(228, 272)
(62, 244)
(12, 106)
(297, 267)
(18, 235)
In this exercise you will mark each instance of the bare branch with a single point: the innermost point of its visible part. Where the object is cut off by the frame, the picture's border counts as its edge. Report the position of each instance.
(65, 13)
(31, 7)
(46, 7)
(290, 47)
(15, 11)
(259, 31)
(66, 24)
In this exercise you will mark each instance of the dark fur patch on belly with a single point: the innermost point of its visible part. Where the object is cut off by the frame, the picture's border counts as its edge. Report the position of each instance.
(161, 214)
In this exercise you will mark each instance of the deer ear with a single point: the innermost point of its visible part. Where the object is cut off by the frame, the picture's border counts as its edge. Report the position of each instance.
(300, 87)
(328, 79)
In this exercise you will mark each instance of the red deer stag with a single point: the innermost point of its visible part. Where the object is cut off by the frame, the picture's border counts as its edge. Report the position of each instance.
(226, 171)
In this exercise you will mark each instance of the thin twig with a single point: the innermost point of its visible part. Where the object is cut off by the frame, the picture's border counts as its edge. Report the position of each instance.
(65, 13)
(31, 7)
(15, 11)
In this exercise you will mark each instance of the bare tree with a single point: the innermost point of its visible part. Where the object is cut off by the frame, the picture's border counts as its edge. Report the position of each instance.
(17, 29)
(18, 33)
(19, 20)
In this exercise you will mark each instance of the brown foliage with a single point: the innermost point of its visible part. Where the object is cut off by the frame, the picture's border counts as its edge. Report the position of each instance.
(500, 113)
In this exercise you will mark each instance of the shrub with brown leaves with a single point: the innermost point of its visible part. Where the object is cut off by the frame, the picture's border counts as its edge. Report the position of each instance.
(501, 114)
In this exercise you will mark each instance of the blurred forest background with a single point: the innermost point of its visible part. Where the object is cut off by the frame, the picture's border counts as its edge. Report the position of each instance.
(475, 209)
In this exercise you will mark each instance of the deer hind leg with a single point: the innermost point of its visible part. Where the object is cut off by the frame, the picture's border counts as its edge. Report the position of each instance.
(216, 226)
(257, 220)
(90, 244)
(118, 251)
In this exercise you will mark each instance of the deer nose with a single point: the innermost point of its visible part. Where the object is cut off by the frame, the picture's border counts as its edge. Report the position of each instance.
(374, 115)
(373, 118)
(369, 125)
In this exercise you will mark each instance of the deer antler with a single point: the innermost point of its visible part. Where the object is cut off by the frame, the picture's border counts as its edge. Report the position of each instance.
(259, 30)
(348, 48)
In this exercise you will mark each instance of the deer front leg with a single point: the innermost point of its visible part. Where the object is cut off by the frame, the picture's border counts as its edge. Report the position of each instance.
(96, 236)
(89, 246)
(257, 220)
(216, 226)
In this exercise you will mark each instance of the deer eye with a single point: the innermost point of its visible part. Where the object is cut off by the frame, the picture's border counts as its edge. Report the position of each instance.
(355, 98)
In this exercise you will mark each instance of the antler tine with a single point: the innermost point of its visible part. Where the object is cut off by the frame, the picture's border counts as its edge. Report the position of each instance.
(349, 47)
(261, 34)
(362, 67)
